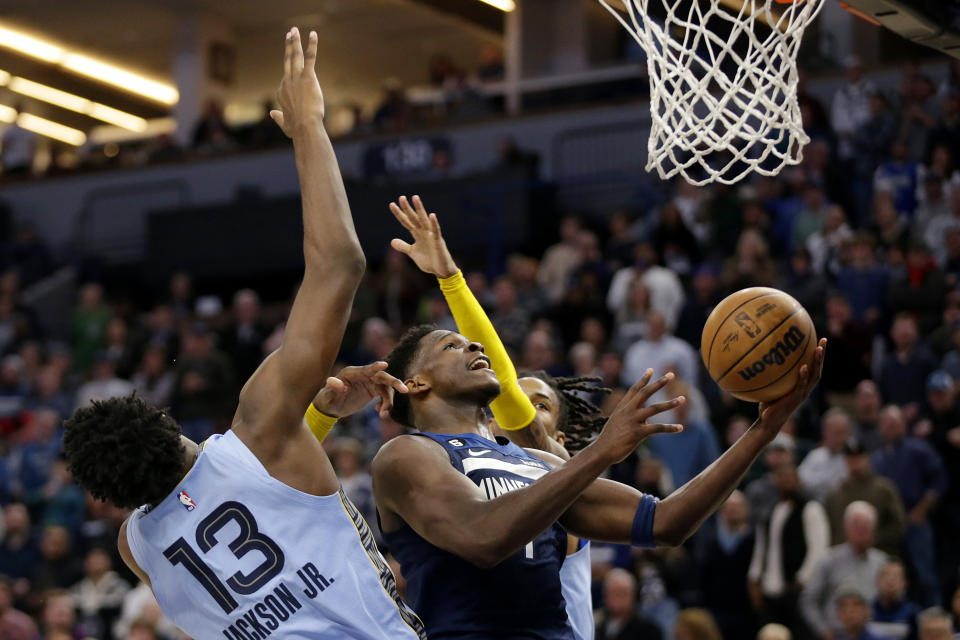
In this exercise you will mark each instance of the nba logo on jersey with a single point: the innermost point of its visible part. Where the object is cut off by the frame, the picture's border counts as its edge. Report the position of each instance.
(187, 501)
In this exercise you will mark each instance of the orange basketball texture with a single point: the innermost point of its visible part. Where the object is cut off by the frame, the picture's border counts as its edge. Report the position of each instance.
(755, 341)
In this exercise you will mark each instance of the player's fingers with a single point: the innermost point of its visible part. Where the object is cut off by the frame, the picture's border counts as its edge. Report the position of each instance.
(288, 55)
(650, 429)
(370, 370)
(660, 407)
(385, 403)
(421, 211)
(401, 246)
(402, 217)
(411, 213)
(639, 384)
(654, 386)
(336, 384)
(277, 116)
(386, 380)
(435, 225)
(310, 56)
(296, 51)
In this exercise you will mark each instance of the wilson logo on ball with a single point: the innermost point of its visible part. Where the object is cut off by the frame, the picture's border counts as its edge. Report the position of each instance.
(789, 343)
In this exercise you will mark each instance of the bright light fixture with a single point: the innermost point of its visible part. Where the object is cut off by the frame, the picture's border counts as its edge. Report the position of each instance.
(74, 103)
(7, 114)
(51, 129)
(30, 46)
(161, 92)
(127, 80)
(503, 5)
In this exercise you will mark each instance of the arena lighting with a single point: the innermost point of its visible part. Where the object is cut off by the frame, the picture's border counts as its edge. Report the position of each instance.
(30, 46)
(75, 103)
(503, 5)
(161, 92)
(51, 129)
(7, 114)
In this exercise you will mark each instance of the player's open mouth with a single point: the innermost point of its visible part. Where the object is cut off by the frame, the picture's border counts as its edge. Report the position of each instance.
(483, 362)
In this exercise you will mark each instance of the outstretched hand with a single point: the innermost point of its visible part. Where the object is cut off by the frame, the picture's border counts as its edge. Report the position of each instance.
(627, 426)
(774, 415)
(429, 250)
(351, 389)
(299, 96)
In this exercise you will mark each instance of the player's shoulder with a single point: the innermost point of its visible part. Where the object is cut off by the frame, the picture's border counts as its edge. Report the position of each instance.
(547, 457)
(407, 450)
(126, 553)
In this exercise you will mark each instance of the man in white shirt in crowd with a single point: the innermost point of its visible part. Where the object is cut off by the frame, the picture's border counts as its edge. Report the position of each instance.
(826, 466)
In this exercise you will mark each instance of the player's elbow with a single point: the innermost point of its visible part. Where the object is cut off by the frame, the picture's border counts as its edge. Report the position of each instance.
(347, 261)
(667, 532)
(486, 552)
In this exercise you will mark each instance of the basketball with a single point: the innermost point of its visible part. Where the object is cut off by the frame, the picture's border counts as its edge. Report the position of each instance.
(755, 341)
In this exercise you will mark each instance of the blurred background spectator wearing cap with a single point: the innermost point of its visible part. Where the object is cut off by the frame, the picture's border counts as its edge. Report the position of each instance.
(853, 615)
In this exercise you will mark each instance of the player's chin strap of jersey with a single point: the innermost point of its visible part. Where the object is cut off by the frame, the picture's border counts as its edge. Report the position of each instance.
(642, 533)
(320, 423)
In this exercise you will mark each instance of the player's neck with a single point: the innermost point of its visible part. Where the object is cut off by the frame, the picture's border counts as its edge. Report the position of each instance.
(450, 417)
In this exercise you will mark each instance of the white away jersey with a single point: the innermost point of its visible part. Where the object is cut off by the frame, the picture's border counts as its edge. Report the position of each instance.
(232, 552)
(575, 579)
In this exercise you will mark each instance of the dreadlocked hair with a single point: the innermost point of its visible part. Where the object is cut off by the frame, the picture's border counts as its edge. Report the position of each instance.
(398, 366)
(579, 419)
(124, 451)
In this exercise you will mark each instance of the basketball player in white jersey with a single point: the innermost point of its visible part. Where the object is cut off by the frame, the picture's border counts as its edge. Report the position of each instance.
(247, 535)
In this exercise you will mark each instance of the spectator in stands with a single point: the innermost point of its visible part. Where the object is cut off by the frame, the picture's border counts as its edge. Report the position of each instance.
(871, 143)
(59, 618)
(811, 218)
(61, 501)
(704, 296)
(866, 406)
(854, 341)
(921, 290)
(919, 115)
(19, 548)
(947, 131)
(204, 382)
(241, 340)
(354, 480)
(57, 568)
(17, 149)
(774, 631)
(140, 608)
(850, 108)
(695, 448)
(154, 381)
(862, 281)
(14, 624)
(104, 383)
(723, 561)
(696, 624)
(904, 371)
(48, 391)
(619, 619)
(917, 472)
(674, 241)
(212, 134)
(853, 615)
(934, 204)
(935, 624)
(762, 493)
(31, 461)
(394, 113)
(99, 596)
(560, 259)
(751, 265)
(899, 177)
(631, 317)
(894, 616)
(824, 468)
(522, 272)
(659, 351)
(510, 319)
(666, 291)
(490, 66)
(827, 243)
(863, 485)
(180, 298)
(854, 563)
(88, 326)
(789, 545)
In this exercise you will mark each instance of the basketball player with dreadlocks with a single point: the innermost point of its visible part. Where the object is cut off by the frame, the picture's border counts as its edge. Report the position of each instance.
(248, 535)
(480, 527)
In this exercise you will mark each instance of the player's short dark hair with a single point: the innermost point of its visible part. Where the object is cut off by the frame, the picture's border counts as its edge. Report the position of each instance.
(124, 451)
(398, 365)
(578, 418)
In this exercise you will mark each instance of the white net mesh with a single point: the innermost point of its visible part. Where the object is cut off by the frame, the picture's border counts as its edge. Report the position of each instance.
(723, 84)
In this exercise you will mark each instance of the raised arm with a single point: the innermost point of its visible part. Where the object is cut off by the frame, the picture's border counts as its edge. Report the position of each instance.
(413, 481)
(513, 411)
(275, 398)
(607, 511)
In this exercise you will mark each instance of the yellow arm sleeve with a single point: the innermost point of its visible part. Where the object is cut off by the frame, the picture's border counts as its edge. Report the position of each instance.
(320, 423)
(512, 409)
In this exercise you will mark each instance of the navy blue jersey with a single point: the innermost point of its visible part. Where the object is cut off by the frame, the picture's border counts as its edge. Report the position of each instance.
(518, 599)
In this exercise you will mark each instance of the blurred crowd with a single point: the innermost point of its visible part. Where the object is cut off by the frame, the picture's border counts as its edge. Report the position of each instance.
(844, 529)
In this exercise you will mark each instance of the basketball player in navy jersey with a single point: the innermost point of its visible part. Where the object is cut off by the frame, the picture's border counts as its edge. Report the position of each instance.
(479, 527)
(248, 535)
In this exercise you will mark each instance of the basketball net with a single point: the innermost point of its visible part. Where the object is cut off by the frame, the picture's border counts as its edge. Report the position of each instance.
(723, 89)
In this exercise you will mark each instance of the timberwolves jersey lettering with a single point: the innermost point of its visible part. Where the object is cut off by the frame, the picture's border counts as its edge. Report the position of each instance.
(234, 553)
(518, 599)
